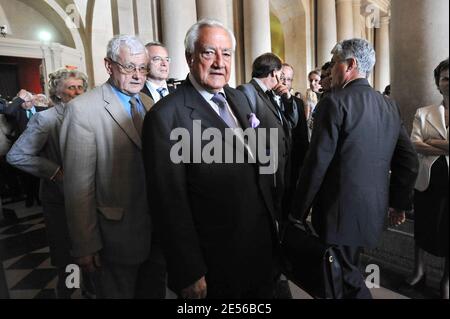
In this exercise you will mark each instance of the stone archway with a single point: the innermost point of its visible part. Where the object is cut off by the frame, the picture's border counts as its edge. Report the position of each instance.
(294, 16)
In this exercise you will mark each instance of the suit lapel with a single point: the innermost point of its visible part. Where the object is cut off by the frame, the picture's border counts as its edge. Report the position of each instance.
(118, 113)
(146, 101)
(201, 110)
(265, 98)
(436, 118)
(236, 105)
(147, 92)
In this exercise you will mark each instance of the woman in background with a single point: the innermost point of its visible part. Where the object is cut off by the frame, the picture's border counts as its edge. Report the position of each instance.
(431, 224)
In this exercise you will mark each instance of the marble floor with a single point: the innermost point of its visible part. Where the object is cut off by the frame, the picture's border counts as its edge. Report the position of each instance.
(26, 272)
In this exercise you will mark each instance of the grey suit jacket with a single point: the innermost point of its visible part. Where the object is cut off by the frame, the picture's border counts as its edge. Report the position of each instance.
(37, 152)
(105, 191)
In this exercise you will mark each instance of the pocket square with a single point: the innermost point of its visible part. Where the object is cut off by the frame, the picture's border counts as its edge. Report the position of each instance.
(253, 120)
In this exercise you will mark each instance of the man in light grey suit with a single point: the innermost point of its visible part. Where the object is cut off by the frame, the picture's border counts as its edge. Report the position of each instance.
(106, 203)
(37, 152)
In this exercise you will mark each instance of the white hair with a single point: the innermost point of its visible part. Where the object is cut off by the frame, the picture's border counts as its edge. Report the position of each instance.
(194, 32)
(131, 42)
(359, 49)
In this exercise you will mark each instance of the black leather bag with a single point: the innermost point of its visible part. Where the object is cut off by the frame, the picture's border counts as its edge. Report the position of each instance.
(309, 263)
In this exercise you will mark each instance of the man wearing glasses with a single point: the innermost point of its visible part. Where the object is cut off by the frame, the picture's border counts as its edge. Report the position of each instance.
(159, 67)
(106, 204)
(19, 112)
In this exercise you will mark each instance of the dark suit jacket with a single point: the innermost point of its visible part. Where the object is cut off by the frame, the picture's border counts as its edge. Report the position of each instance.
(214, 219)
(147, 92)
(358, 138)
(300, 144)
(17, 115)
(268, 115)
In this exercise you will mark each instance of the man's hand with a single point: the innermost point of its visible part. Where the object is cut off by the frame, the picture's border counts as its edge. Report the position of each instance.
(195, 291)
(59, 176)
(23, 94)
(282, 90)
(396, 217)
(90, 263)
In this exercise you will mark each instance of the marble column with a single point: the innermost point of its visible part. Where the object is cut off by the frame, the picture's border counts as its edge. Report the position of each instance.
(357, 19)
(256, 31)
(123, 17)
(146, 20)
(382, 67)
(326, 30)
(177, 16)
(218, 10)
(419, 40)
(344, 15)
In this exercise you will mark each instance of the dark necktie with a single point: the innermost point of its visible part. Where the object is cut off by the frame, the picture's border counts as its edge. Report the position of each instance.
(162, 92)
(29, 114)
(136, 115)
(271, 96)
(224, 113)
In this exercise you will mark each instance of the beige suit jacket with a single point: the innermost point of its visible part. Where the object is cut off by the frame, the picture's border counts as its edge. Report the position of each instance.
(429, 123)
(104, 182)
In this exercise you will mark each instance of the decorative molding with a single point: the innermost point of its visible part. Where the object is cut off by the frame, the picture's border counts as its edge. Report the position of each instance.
(383, 5)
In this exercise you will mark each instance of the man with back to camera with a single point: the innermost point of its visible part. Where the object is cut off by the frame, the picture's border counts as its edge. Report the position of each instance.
(358, 138)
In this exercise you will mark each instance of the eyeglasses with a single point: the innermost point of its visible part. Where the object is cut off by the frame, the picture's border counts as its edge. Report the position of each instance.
(159, 59)
(283, 78)
(131, 68)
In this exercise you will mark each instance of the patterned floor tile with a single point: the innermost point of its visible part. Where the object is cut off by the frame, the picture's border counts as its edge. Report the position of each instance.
(29, 261)
(46, 294)
(15, 276)
(23, 294)
(16, 229)
(46, 264)
(11, 261)
(37, 279)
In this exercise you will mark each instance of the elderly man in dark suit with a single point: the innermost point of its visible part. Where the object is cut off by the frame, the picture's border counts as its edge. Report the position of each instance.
(358, 138)
(216, 219)
(105, 193)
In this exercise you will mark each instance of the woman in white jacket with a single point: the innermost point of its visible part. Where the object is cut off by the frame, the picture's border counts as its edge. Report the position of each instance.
(431, 223)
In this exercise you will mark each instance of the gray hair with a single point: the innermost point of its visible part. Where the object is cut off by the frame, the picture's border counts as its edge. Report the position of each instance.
(131, 42)
(41, 100)
(155, 44)
(57, 79)
(194, 32)
(359, 49)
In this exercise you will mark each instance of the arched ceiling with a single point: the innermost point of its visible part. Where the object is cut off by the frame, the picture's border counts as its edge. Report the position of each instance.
(287, 9)
(47, 11)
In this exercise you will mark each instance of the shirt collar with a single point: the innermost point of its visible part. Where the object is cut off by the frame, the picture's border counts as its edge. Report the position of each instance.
(154, 87)
(203, 92)
(261, 84)
(125, 97)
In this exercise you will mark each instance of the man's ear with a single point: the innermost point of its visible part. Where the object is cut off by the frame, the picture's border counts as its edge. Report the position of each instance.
(108, 66)
(352, 64)
(189, 59)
